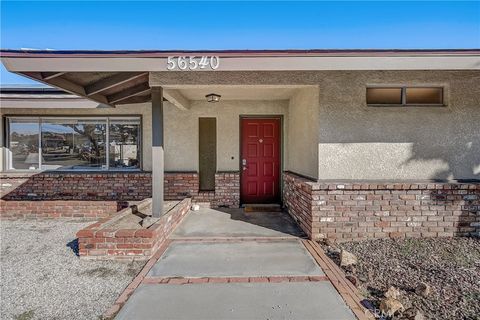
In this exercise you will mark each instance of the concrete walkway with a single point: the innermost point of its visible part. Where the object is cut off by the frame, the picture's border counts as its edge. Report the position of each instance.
(233, 265)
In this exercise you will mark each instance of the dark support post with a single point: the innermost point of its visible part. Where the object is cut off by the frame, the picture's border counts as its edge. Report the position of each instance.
(157, 152)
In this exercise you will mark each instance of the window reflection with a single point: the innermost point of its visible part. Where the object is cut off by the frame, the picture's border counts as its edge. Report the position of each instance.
(124, 144)
(424, 95)
(384, 95)
(73, 144)
(23, 144)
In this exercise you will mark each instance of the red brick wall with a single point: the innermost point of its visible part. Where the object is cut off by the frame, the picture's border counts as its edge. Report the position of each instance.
(78, 186)
(101, 241)
(179, 185)
(297, 198)
(357, 210)
(227, 189)
(81, 194)
(57, 209)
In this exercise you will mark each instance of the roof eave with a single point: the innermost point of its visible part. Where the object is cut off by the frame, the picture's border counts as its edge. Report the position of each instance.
(234, 53)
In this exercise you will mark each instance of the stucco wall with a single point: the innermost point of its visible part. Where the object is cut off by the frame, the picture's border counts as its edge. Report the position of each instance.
(303, 119)
(360, 142)
(181, 131)
(329, 132)
(143, 110)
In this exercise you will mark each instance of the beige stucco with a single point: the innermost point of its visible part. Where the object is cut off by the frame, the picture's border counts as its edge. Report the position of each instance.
(181, 131)
(360, 142)
(354, 141)
(303, 119)
(329, 131)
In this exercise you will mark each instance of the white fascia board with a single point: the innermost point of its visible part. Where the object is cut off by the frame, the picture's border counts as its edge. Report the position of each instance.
(292, 63)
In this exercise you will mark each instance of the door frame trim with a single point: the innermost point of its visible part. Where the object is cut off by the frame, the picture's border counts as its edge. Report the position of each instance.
(282, 148)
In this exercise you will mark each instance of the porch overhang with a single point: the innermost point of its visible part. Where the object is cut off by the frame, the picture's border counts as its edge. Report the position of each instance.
(122, 77)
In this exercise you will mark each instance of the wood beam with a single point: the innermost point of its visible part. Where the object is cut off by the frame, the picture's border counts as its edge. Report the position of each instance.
(157, 152)
(112, 81)
(136, 99)
(51, 75)
(137, 90)
(68, 86)
(177, 99)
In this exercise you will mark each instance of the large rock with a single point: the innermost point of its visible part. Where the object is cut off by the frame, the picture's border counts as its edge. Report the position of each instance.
(390, 306)
(412, 314)
(347, 258)
(393, 293)
(423, 289)
(419, 316)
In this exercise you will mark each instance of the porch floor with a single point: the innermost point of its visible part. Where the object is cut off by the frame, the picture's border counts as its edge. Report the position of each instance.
(228, 223)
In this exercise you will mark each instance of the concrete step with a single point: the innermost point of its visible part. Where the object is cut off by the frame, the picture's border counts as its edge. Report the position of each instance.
(273, 207)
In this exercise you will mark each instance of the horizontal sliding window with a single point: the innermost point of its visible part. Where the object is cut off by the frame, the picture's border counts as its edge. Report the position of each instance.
(66, 143)
(405, 96)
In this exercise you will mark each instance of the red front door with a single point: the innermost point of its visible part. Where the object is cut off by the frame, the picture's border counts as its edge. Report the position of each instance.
(260, 160)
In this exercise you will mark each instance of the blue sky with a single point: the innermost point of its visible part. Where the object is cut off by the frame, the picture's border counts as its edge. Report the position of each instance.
(235, 25)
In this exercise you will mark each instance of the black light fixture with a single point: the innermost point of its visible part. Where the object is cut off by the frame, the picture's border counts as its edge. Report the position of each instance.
(212, 97)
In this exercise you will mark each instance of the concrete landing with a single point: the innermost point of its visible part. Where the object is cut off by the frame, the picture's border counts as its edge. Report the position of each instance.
(218, 223)
(235, 259)
(302, 300)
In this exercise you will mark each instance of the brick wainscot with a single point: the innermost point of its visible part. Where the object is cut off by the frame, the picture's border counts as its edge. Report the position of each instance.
(70, 194)
(99, 194)
(359, 210)
(179, 185)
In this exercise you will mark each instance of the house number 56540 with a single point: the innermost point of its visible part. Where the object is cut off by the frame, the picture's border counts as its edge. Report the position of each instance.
(193, 63)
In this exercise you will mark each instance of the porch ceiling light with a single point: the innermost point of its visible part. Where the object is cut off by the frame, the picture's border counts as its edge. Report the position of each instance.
(212, 97)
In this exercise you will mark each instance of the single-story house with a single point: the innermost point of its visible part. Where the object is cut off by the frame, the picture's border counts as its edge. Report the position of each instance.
(353, 143)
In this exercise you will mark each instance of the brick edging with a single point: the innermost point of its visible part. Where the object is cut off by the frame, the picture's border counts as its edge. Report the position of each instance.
(257, 279)
(123, 297)
(345, 288)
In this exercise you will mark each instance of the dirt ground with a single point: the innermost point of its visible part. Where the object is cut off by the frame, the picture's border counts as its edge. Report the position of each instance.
(450, 266)
(42, 277)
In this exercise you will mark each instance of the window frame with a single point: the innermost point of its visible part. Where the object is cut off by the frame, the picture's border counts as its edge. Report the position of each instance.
(107, 119)
(404, 103)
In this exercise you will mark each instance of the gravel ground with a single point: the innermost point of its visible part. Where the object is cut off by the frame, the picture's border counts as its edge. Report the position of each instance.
(42, 278)
(451, 267)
